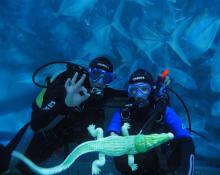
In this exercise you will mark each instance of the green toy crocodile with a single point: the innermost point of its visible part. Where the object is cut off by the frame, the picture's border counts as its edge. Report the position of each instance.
(111, 146)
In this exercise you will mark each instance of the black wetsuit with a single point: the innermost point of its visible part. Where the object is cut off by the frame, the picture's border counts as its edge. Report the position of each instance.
(174, 157)
(53, 124)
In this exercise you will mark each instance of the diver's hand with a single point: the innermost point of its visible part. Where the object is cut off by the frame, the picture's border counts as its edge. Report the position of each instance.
(113, 134)
(167, 81)
(76, 93)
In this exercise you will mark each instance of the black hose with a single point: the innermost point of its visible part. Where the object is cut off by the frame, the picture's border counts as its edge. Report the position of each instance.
(185, 107)
(42, 67)
(200, 135)
(188, 117)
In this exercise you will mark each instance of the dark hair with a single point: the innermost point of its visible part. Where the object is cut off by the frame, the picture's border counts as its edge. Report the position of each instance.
(102, 63)
(141, 75)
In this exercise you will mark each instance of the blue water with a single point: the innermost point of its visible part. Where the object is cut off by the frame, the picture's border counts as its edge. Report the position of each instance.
(180, 35)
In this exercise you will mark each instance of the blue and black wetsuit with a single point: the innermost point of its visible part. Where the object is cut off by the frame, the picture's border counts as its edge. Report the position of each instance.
(53, 124)
(176, 156)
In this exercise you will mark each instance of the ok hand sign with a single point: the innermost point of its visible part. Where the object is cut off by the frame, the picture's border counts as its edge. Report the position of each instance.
(76, 93)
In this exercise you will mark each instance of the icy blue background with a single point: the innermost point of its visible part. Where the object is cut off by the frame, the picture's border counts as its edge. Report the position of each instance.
(181, 35)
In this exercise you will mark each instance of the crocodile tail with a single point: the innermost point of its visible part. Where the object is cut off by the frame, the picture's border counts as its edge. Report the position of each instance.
(70, 159)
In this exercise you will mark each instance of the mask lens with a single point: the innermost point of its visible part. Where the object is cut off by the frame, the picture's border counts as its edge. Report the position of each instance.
(145, 89)
(107, 78)
(97, 74)
(133, 91)
(139, 88)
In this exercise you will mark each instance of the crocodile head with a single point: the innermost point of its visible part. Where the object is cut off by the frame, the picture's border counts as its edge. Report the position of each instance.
(146, 142)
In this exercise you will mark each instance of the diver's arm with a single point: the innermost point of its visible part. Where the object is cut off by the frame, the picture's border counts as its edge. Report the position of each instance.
(115, 125)
(56, 102)
(47, 106)
(174, 123)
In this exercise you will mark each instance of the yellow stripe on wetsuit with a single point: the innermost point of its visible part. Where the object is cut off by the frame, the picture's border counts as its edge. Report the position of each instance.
(40, 97)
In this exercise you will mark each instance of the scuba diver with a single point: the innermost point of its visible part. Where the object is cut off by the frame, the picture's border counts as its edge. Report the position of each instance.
(62, 112)
(148, 111)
